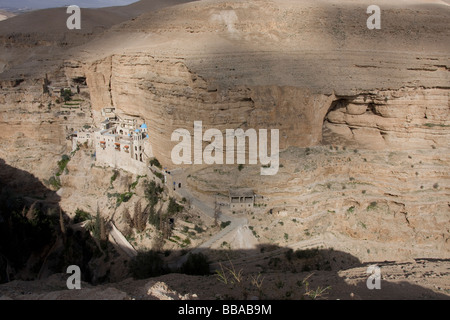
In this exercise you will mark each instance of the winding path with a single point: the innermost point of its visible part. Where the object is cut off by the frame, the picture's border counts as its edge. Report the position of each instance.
(235, 222)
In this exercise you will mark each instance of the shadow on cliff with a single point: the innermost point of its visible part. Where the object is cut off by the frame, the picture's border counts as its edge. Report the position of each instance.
(276, 273)
(34, 239)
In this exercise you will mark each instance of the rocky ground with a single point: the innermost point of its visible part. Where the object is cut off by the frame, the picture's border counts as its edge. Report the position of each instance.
(416, 279)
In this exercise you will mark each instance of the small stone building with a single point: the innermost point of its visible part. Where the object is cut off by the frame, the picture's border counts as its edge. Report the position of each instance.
(83, 136)
(241, 199)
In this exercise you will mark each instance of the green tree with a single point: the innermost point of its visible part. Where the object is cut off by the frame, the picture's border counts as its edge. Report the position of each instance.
(173, 207)
(155, 162)
(152, 192)
(66, 94)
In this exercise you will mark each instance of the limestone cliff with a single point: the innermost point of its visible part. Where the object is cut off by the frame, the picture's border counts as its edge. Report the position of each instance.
(282, 64)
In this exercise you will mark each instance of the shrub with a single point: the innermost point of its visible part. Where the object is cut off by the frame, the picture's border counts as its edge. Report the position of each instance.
(154, 218)
(152, 192)
(159, 175)
(306, 254)
(124, 197)
(196, 264)
(146, 265)
(62, 164)
(66, 94)
(54, 182)
(240, 167)
(81, 215)
(198, 229)
(155, 162)
(225, 224)
(371, 206)
(174, 207)
(114, 176)
(135, 183)
(435, 186)
(186, 242)
(95, 225)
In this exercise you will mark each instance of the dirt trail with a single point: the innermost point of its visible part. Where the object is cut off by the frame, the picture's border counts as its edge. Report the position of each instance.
(235, 222)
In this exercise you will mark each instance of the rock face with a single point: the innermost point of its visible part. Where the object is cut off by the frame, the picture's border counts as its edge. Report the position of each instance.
(401, 119)
(282, 65)
(286, 65)
(311, 69)
(34, 125)
(374, 204)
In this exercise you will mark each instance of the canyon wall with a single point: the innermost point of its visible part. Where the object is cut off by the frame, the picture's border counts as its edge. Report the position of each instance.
(303, 68)
(165, 92)
(312, 70)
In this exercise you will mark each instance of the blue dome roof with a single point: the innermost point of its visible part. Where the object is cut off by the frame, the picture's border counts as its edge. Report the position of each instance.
(137, 131)
(144, 126)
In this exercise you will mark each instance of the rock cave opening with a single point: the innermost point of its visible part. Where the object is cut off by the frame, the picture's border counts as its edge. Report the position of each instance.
(336, 131)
